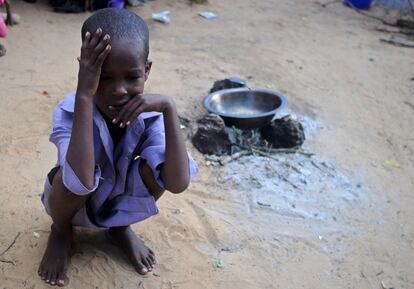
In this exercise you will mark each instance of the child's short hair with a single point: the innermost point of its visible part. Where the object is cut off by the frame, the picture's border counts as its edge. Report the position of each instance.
(119, 24)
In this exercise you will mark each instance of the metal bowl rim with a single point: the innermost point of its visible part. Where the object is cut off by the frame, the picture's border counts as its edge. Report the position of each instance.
(283, 102)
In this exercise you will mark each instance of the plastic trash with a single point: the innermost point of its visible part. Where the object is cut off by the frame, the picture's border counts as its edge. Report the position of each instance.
(207, 15)
(358, 4)
(218, 264)
(163, 16)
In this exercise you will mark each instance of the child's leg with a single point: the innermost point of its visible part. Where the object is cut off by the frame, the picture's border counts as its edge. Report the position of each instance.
(142, 257)
(63, 206)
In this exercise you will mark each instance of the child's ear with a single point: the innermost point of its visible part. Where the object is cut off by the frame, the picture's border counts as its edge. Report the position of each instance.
(148, 66)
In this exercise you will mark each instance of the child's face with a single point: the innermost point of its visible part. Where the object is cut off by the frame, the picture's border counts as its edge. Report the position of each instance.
(123, 76)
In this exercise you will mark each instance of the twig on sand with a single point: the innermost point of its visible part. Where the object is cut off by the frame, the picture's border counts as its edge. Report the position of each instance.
(9, 247)
(268, 151)
(227, 159)
(398, 42)
(409, 104)
(375, 17)
(252, 150)
(291, 151)
(324, 4)
(289, 182)
(406, 22)
(7, 261)
(395, 30)
(262, 153)
(233, 157)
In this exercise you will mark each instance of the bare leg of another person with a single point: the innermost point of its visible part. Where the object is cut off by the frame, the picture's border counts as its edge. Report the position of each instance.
(2, 50)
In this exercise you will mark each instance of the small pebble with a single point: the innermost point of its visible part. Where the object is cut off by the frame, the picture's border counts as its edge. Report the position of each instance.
(177, 211)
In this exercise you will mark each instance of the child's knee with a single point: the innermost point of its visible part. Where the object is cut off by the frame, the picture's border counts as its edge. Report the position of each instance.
(148, 178)
(59, 190)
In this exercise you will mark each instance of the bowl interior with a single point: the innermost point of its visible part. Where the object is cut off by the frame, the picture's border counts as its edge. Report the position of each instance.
(244, 103)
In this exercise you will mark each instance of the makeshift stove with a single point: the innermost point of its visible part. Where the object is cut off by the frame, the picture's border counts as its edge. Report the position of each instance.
(243, 119)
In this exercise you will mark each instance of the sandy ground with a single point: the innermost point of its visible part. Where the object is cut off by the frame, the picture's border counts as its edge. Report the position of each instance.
(334, 71)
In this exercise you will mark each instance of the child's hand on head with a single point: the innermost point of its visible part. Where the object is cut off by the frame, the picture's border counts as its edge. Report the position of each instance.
(95, 49)
(142, 103)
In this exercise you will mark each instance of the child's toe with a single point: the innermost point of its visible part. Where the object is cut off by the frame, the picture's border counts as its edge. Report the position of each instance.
(44, 275)
(150, 262)
(152, 258)
(61, 281)
(141, 269)
(48, 274)
(53, 279)
(146, 264)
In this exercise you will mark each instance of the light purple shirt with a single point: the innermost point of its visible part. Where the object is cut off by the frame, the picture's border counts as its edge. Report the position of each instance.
(119, 196)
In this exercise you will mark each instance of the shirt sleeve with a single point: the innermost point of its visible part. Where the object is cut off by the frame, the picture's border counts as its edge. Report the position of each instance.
(153, 149)
(60, 136)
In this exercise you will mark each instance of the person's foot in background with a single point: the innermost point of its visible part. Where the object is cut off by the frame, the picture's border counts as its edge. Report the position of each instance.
(2, 50)
(68, 6)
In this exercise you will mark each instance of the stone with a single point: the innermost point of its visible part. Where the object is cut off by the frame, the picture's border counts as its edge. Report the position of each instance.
(231, 82)
(211, 137)
(285, 132)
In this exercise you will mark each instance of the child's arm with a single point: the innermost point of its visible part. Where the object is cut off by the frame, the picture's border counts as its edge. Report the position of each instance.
(176, 180)
(175, 170)
(80, 155)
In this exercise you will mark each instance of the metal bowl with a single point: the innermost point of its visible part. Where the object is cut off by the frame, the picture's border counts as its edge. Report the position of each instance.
(245, 108)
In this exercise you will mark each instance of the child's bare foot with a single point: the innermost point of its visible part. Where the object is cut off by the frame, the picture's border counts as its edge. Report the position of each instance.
(55, 260)
(141, 257)
(2, 50)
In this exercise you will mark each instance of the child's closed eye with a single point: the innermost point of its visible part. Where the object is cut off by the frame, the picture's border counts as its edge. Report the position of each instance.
(133, 77)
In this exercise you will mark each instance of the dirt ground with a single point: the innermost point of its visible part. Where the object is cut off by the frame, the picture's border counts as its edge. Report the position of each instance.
(333, 69)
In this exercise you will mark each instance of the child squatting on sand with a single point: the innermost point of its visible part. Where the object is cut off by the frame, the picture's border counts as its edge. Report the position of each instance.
(118, 147)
